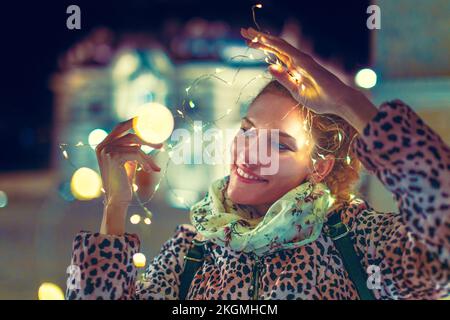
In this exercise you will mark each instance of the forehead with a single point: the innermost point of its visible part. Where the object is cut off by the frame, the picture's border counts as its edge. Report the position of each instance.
(273, 111)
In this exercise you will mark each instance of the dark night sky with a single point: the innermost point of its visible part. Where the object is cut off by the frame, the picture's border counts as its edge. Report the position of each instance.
(34, 34)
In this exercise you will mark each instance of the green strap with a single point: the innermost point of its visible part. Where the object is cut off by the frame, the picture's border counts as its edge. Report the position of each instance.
(339, 233)
(193, 261)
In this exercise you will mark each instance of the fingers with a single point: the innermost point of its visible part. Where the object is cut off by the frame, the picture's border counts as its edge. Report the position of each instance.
(118, 131)
(278, 46)
(298, 85)
(283, 76)
(274, 42)
(117, 139)
(122, 154)
(299, 66)
(285, 59)
(133, 139)
(254, 41)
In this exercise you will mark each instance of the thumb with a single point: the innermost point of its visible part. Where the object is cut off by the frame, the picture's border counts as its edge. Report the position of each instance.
(130, 167)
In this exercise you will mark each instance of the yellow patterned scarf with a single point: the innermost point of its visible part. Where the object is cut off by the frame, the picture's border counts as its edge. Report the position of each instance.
(292, 221)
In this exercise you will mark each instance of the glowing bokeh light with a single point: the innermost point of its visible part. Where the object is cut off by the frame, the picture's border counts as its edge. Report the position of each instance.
(125, 65)
(96, 137)
(154, 122)
(139, 260)
(366, 78)
(135, 219)
(147, 221)
(86, 184)
(3, 199)
(50, 291)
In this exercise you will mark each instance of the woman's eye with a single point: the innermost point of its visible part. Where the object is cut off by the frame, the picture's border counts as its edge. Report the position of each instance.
(282, 147)
(250, 132)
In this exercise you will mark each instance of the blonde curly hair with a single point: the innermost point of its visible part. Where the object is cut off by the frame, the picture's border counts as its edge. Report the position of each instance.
(332, 135)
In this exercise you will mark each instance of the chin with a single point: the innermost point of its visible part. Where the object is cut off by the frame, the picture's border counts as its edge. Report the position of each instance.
(239, 197)
(242, 190)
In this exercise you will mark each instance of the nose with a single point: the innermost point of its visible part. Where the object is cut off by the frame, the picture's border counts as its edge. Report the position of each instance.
(247, 149)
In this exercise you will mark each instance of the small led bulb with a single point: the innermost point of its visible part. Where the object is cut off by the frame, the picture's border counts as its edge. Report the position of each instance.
(139, 260)
(135, 219)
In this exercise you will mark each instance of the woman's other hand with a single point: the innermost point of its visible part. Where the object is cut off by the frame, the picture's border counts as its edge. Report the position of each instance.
(311, 84)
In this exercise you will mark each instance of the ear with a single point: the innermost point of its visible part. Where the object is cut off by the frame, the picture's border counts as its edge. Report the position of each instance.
(322, 168)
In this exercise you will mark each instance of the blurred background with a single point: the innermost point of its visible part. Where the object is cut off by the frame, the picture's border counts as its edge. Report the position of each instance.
(65, 89)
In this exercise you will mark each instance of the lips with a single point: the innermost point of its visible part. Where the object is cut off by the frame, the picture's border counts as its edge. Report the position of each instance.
(247, 176)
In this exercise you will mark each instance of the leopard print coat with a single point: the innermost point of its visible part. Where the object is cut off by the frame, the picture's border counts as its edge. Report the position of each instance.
(408, 251)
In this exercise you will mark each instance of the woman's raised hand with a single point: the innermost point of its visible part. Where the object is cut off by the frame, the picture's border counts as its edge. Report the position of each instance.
(311, 84)
(118, 156)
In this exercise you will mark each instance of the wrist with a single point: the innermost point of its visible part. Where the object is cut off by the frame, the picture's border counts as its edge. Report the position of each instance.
(358, 110)
(116, 202)
(114, 216)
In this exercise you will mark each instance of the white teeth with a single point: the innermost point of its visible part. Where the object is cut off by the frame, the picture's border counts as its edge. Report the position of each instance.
(245, 175)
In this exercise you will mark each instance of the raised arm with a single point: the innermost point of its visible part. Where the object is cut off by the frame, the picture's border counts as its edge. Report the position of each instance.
(412, 248)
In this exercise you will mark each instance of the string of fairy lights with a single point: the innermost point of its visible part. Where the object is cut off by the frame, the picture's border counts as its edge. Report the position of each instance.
(183, 113)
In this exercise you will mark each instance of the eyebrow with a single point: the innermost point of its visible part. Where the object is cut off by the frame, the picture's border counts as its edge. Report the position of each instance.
(282, 133)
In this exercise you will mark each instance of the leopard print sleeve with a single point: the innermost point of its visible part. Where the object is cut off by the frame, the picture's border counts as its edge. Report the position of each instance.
(411, 248)
(103, 267)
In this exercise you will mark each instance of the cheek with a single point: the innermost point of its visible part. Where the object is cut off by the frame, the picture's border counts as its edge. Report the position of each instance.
(292, 171)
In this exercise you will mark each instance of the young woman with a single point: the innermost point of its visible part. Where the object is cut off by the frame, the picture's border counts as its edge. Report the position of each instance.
(268, 236)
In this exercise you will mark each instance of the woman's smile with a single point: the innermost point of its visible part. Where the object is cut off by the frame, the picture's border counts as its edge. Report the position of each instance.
(246, 176)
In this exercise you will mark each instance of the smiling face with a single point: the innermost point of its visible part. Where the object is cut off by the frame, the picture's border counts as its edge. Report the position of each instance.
(249, 184)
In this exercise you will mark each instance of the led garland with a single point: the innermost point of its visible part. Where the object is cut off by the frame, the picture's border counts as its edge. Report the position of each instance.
(270, 60)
